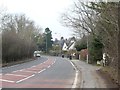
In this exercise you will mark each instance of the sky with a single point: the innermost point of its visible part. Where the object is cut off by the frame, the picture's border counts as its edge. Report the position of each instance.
(45, 13)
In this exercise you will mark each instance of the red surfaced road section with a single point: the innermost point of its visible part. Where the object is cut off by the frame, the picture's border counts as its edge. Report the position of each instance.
(12, 77)
(21, 75)
(35, 83)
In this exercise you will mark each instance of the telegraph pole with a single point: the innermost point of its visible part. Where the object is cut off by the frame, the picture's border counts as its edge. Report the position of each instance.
(87, 50)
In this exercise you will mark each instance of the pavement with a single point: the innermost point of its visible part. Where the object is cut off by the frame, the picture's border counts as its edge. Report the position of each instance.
(89, 76)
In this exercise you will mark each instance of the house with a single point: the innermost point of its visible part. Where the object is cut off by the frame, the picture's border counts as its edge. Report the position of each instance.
(69, 44)
(65, 47)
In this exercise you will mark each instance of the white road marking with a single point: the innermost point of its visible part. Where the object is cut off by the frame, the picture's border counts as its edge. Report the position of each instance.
(25, 78)
(16, 75)
(54, 61)
(24, 75)
(49, 66)
(35, 69)
(7, 80)
(41, 70)
(75, 81)
(43, 62)
(22, 69)
(17, 71)
(29, 71)
(33, 66)
(76, 76)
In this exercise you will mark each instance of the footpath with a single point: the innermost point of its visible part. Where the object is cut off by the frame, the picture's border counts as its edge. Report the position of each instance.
(91, 76)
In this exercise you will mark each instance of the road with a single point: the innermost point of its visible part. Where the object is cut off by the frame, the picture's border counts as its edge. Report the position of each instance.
(45, 72)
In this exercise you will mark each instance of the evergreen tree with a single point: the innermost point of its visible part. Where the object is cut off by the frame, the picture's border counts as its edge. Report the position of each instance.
(48, 39)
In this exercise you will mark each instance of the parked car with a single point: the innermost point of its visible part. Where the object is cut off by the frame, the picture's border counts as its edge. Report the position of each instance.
(37, 54)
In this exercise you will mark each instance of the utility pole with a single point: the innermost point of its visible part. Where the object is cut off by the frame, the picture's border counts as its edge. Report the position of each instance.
(87, 50)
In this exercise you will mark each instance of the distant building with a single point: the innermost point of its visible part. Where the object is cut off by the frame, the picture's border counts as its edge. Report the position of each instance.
(69, 44)
(61, 42)
(65, 47)
(56, 42)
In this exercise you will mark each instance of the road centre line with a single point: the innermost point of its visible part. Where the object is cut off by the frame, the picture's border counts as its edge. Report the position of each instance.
(25, 78)
(24, 75)
(41, 70)
(29, 68)
(54, 62)
(46, 61)
(30, 76)
(49, 66)
(16, 75)
(7, 80)
(17, 65)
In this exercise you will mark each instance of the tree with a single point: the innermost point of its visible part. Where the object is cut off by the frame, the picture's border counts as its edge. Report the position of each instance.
(48, 39)
(100, 20)
(18, 34)
(39, 39)
(81, 44)
(95, 49)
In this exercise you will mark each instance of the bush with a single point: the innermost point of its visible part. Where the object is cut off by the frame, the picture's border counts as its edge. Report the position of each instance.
(14, 48)
(95, 49)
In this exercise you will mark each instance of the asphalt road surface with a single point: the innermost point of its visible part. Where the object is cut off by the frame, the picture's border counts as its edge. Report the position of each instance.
(45, 72)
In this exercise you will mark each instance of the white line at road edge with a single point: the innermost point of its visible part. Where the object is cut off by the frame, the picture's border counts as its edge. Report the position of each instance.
(25, 78)
(76, 76)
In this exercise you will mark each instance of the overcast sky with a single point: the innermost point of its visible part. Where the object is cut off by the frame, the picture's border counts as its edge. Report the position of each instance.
(45, 13)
